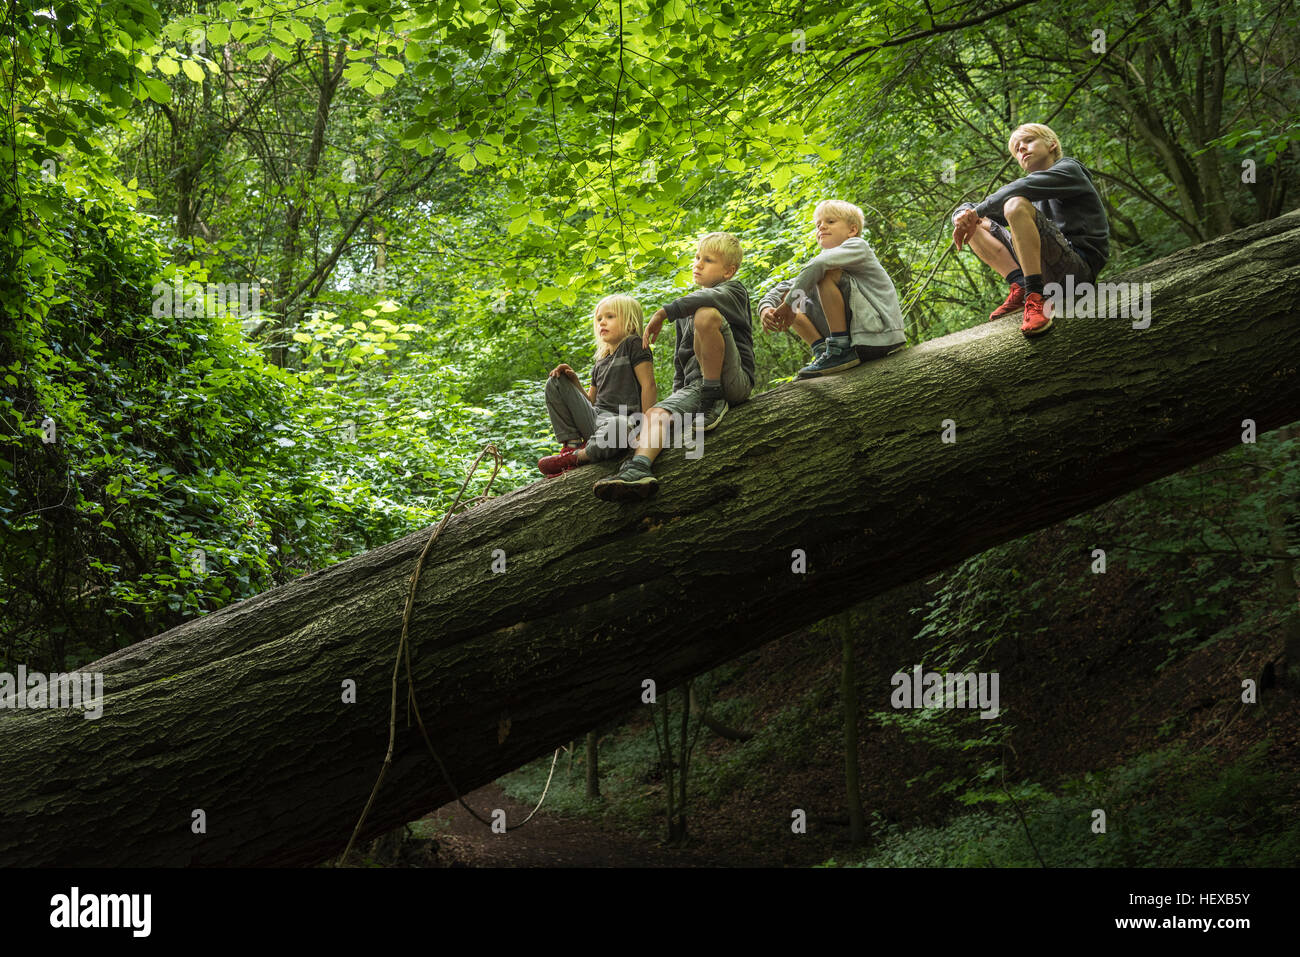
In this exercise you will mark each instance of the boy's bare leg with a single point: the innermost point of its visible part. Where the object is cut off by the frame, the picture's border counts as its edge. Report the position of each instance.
(832, 302)
(803, 328)
(653, 429)
(1022, 219)
(710, 347)
(992, 252)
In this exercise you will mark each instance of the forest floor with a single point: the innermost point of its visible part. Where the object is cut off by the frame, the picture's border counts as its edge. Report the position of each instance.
(1088, 693)
(551, 840)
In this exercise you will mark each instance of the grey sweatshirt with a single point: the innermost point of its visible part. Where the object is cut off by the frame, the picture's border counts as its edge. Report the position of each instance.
(1065, 194)
(731, 299)
(874, 316)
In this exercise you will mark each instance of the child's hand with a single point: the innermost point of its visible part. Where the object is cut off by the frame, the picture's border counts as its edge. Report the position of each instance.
(653, 327)
(771, 323)
(964, 223)
(563, 370)
(783, 315)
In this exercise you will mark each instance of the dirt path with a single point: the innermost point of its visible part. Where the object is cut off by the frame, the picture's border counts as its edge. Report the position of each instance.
(548, 840)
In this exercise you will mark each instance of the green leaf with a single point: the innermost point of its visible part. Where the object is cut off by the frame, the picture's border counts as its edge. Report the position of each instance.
(193, 71)
(168, 66)
(158, 91)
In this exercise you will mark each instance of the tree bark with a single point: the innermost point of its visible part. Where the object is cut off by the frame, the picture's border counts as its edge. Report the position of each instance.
(240, 712)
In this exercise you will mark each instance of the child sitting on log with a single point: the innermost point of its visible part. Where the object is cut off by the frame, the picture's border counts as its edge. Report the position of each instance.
(593, 425)
(713, 366)
(1045, 226)
(843, 304)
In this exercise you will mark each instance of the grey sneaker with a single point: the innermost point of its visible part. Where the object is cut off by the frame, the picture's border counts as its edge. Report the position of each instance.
(631, 484)
(712, 412)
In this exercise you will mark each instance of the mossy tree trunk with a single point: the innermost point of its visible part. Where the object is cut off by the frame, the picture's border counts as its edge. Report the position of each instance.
(240, 713)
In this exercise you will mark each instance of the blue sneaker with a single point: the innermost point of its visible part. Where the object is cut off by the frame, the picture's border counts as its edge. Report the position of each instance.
(632, 483)
(838, 356)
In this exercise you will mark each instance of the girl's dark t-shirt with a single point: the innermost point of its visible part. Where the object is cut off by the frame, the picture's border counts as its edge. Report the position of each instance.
(615, 377)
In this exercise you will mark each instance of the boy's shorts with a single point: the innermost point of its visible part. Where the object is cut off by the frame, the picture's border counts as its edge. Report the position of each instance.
(736, 383)
(1058, 257)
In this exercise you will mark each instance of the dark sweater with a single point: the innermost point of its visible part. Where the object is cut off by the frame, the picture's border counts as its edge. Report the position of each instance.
(731, 299)
(1065, 194)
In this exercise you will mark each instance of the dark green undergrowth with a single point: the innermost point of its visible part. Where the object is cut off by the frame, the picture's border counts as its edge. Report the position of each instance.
(632, 772)
(1166, 808)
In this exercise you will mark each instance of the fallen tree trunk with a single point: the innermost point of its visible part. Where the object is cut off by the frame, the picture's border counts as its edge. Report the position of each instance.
(240, 713)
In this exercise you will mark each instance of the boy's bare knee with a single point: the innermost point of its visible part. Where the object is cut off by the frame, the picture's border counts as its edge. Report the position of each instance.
(708, 318)
(1018, 206)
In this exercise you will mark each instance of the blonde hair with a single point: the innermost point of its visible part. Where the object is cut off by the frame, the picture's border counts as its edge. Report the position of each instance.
(725, 245)
(845, 211)
(1042, 132)
(630, 318)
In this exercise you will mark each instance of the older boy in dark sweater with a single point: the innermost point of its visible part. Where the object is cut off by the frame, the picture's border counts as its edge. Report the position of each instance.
(1045, 226)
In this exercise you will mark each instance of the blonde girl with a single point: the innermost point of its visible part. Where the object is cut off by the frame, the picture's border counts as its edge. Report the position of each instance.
(592, 424)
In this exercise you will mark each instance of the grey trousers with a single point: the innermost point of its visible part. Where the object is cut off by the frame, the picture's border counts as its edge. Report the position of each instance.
(574, 418)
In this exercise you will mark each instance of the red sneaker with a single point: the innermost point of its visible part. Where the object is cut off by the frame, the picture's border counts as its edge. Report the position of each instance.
(1014, 301)
(1037, 319)
(559, 463)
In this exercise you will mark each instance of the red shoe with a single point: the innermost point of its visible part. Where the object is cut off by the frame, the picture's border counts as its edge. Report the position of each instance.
(559, 463)
(1014, 301)
(1036, 318)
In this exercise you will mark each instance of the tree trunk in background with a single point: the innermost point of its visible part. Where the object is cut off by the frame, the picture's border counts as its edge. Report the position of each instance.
(849, 704)
(331, 74)
(1284, 585)
(593, 775)
(240, 712)
(1284, 588)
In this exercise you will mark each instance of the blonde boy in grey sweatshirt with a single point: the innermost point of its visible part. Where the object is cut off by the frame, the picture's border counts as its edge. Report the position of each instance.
(843, 303)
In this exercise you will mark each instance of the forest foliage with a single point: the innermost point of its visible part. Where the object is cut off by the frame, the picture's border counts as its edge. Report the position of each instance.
(425, 199)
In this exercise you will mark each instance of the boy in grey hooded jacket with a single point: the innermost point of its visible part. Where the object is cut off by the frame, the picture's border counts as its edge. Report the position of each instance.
(843, 303)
